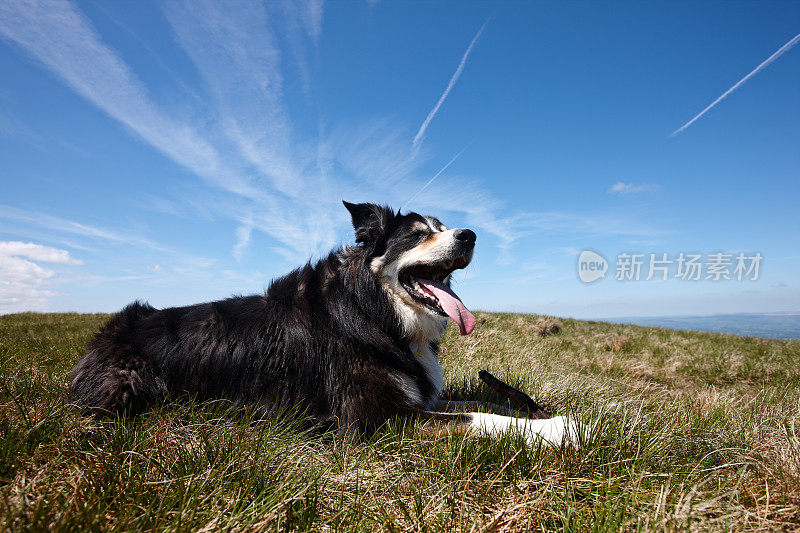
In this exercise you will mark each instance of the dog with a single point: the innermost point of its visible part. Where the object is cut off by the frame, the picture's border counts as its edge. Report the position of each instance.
(351, 340)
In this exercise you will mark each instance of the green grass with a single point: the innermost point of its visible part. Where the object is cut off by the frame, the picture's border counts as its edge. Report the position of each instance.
(693, 431)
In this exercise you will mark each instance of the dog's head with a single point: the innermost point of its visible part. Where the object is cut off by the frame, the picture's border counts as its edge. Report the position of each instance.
(412, 257)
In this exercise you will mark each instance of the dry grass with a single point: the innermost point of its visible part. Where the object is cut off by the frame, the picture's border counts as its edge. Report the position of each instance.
(693, 431)
(542, 327)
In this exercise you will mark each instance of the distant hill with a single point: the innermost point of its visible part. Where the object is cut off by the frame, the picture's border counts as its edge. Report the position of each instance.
(773, 325)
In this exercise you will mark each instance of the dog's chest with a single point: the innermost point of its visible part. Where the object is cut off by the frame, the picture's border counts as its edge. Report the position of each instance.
(430, 363)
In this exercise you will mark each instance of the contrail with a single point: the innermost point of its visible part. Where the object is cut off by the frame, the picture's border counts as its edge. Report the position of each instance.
(435, 176)
(782, 50)
(421, 133)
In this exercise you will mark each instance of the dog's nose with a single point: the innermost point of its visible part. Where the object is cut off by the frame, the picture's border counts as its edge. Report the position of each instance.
(467, 236)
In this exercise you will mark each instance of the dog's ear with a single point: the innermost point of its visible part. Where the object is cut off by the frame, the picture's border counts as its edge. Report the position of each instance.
(369, 220)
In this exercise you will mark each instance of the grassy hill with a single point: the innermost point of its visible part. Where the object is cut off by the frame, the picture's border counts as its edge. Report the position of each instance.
(693, 431)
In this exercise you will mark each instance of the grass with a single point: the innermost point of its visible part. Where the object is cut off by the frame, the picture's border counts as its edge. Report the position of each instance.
(694, 431)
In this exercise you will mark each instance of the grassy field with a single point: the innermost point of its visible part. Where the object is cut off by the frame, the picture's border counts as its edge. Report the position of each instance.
(694, 431)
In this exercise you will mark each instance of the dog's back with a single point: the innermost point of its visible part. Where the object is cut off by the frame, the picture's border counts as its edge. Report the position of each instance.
(232, 349)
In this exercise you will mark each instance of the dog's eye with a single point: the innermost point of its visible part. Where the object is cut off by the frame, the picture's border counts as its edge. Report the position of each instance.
(416, 234)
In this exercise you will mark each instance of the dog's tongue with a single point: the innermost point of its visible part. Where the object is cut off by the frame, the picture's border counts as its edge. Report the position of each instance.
(451, 304)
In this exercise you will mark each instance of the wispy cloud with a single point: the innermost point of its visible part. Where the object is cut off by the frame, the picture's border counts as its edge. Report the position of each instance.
(243, 142)
(311, 13)
(571, 225)
(621, 187)
(64, 41)
(236, 41)
(420, 136)
(62, 226)
(578, 224)
(104, 239)
(782, 50)
(244, 234)
(288, 185)
(300, 25)
(236, 50)
(152, 54)
(13, 128)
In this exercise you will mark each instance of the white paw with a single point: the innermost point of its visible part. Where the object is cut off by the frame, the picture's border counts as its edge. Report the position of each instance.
(554, 431)
(550, 432)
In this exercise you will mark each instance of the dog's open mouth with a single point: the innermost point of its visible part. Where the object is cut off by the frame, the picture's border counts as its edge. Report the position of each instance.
(426, 284)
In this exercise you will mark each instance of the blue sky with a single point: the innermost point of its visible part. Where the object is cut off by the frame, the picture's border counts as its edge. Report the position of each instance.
(185, 151)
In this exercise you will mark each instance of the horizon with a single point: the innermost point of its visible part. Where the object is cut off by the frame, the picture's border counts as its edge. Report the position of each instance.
(176, 152)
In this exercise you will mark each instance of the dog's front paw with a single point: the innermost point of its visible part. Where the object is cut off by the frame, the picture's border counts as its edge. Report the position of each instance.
(548, 432)
(554, 431)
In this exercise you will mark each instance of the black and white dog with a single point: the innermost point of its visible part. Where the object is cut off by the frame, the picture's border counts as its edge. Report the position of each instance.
(351, 340)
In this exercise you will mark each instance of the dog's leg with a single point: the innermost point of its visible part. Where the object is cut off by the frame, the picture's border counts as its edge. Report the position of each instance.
(550, 432)
(451, 406)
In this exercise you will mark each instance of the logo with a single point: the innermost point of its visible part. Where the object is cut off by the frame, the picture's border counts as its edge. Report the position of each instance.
(591, 266)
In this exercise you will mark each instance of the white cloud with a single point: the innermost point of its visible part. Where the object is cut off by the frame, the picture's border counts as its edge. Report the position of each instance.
(23, 282)
(621, 187)
(37, 252)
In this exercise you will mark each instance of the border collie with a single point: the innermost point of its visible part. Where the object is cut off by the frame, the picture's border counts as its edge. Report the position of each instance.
(351, 340)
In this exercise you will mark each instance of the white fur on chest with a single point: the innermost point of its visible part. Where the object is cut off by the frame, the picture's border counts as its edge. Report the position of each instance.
(419, 324)
(433, 371)
(430, 362)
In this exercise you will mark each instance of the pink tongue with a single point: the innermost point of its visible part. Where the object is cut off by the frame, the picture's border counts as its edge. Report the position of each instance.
(451, 304)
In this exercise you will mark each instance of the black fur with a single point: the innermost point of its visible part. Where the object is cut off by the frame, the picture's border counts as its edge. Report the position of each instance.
(324, 338)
